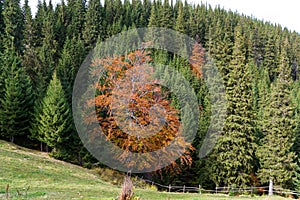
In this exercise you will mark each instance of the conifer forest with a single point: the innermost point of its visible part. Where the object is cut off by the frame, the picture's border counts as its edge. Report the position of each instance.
(41, 53)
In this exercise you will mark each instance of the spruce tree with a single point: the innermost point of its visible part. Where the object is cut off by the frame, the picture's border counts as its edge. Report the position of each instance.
(1, 25)
(76, 15)
(180, 22)
(53, 121)
(296, 146)
(13, 21)
(93, 23)
(232, 158)
(71, 59)
(48, 51)
(277, 160)
(60, 24)
(138, 14)
(17, 99)
(73, 55)
(271, 54)
(263, 94)
(153, 19)
(28, 30)
(39, 19)
(30, 60)
(165, 16)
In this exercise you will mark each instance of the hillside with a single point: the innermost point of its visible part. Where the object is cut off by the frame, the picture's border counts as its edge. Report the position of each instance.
(228, 99)
(48, 178)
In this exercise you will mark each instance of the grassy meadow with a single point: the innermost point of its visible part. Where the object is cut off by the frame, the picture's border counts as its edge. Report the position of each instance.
(34, 175)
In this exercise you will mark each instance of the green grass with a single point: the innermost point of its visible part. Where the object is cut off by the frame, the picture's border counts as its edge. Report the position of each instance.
(51, 179)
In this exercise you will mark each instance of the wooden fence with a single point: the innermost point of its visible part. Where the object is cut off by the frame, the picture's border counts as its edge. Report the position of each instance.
(223, 190)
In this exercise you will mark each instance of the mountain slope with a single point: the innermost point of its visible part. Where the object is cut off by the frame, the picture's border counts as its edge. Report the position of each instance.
(34, 175)
(47, 178)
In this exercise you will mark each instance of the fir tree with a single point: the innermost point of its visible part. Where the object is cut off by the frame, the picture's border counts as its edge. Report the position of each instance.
(17, 99)
(48, 51)
(233, 155)
(76, 15)
(30, 60)
(28, 26)
(165, 15)
(71, 59)
(277, 161)
(271, 55)
(13, 21)
(41, 14)
(53, 121)
(180, 22)
(153, 19)
(1, 25)
(93, 23)
(61, 24)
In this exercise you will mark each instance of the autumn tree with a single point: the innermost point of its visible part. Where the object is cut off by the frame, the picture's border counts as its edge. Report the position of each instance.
(149, 110)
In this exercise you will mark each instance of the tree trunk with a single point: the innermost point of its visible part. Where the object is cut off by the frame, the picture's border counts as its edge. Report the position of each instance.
(80, 161)
(12, 139)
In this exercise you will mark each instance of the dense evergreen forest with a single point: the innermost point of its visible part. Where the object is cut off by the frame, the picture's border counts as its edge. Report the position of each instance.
(40, 56)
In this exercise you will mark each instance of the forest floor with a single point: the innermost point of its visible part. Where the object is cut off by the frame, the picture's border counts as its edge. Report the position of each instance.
(34, 175)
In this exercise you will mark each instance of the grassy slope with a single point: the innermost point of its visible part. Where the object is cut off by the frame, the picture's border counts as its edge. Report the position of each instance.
(52, 179)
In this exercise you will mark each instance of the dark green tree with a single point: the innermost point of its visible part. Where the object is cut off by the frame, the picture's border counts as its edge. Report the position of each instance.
(165, 15)
(71, 59)
(61, 24)
(13, 21)
(39, 19)
(93, 23)
(277, 160)
(30, 59)
(180, 22)
(17, 99)
(47, 53)
(231, 162)
(1, 24)
(271, 55)
(76, 17)
(153, 19)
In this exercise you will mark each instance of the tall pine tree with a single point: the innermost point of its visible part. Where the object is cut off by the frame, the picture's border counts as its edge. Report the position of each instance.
(17, 99)
(13, 21)
(277, 160)
(232, 159)
(53, 121)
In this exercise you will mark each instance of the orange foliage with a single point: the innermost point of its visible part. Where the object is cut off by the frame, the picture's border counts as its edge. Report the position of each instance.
(197, 59)
(145, 94)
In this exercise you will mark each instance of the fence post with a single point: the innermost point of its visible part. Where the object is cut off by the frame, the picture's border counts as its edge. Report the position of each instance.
(184, 189)
(169, 188)
(251, 190)
(271, 187)
(216, 189)
(200, 189)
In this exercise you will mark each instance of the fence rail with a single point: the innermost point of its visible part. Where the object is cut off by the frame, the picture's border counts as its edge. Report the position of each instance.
(222, 190)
